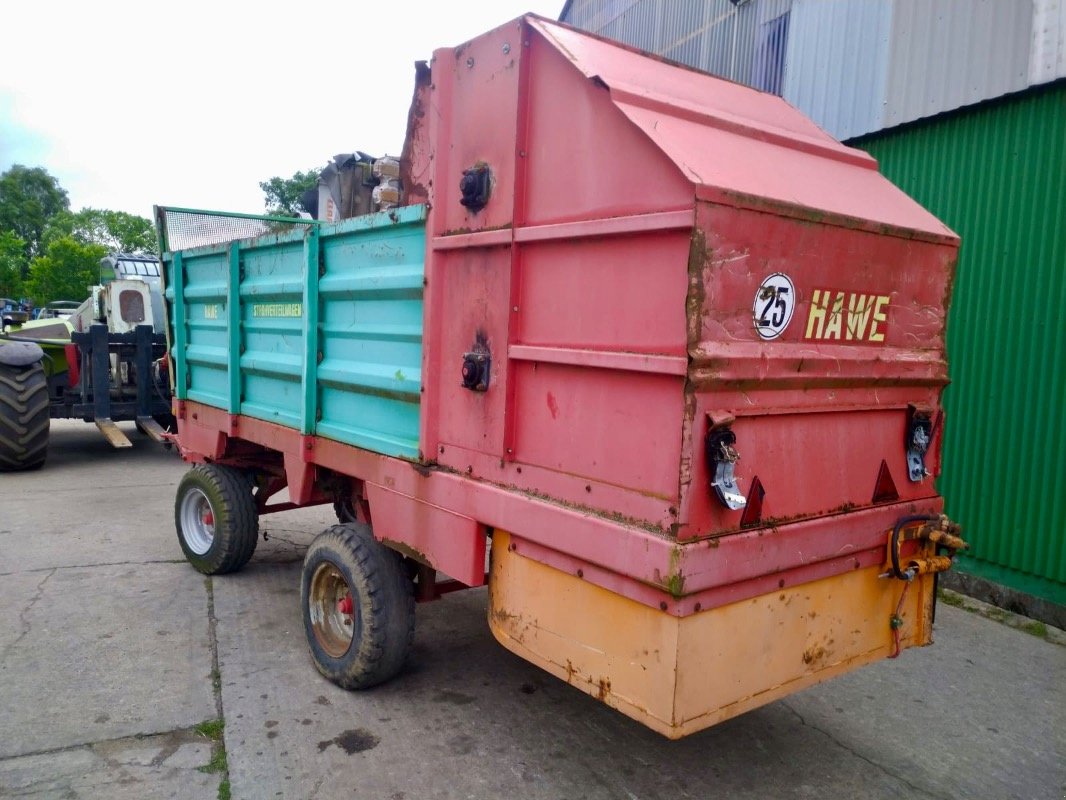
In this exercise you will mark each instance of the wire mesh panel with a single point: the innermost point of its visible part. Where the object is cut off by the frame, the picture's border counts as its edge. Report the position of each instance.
(182, 228)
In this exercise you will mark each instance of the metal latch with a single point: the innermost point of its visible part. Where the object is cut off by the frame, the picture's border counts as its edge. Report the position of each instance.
(919, 435)
(722, 457)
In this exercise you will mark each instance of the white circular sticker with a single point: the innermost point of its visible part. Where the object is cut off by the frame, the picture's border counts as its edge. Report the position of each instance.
(774, 303)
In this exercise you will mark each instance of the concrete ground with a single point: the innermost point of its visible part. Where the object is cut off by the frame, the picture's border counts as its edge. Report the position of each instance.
(114, 654)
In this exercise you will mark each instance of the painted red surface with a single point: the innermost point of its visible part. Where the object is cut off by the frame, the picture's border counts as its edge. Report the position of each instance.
(614, 276)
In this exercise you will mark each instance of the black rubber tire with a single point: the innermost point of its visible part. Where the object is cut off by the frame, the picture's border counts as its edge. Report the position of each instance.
(236, 519)
(383, 606)
(345, 511)
(24, 417)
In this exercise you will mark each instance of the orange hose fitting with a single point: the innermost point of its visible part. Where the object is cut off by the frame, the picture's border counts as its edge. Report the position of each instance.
(930, 565)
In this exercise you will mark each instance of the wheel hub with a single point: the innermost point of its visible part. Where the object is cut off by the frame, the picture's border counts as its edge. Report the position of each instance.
(345, 605)
(332, 610)
(197, 521)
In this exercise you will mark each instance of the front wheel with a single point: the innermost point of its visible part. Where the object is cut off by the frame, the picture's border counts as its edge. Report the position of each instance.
(24, 416)
(358, 607)
(216, 518)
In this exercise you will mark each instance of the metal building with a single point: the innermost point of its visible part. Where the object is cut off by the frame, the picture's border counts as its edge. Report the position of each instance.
(964, 106)
(853, 66)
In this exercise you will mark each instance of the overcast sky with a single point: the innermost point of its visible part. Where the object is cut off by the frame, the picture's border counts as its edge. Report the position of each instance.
(130, 104)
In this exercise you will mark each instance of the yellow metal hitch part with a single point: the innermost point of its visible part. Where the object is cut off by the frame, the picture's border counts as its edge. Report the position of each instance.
(933, 535)
(929, 566)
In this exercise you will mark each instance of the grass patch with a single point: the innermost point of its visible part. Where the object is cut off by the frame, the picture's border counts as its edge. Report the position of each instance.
(1035, 628)
(218, 760)
(1031, 626)
(997, 614)
(950, 598)
(212, 729)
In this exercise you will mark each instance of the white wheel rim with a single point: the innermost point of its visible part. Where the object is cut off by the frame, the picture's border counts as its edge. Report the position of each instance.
(197, 522)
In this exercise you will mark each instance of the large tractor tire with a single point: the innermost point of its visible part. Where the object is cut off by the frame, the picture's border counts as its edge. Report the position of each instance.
(216, 518)
(24, 417)
(358, 607)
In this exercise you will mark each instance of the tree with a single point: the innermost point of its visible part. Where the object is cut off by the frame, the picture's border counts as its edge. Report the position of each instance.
(283, 194)
(13, 264)
(66, 270)
(115, 230)
(29, 197)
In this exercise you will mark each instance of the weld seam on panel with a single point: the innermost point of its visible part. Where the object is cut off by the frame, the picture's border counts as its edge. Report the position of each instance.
(635, 223)
(622, 94)
(601, 359)
(456, 241)
(205, 292)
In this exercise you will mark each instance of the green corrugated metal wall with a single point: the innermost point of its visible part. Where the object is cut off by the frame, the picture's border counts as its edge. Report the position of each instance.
(997, 175)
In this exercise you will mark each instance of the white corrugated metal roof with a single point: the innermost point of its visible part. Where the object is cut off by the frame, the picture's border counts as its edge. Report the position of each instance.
(854, 66)
(1047, 57)
(949, 55)
(837, 65)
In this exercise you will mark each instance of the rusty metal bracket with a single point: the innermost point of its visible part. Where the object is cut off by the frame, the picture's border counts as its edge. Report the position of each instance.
(919, 437)
(722, 457)
(939, 531)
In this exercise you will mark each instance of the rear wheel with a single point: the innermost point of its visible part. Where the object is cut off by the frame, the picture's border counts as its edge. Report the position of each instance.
(345, 511)
(24, 417)
(216, 518)
(358, 607)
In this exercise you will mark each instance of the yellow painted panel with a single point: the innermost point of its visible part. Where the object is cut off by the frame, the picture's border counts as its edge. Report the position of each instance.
(778, 643)
(680, 675)
(607, 645)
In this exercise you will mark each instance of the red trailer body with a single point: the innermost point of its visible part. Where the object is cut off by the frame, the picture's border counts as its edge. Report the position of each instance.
(683, 355)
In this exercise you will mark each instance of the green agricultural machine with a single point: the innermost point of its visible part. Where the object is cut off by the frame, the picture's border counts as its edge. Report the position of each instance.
(104, 363)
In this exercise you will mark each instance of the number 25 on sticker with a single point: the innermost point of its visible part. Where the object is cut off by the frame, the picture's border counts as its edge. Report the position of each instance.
(775, 300)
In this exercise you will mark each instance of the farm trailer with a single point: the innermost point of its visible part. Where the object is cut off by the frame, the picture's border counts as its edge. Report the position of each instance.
(668, 351)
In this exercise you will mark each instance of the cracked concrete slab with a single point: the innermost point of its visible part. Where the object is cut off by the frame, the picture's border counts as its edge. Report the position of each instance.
(984, 708)
(102, 638)
(468, 719)
(89, 503)
(91, 653)
(163, 766)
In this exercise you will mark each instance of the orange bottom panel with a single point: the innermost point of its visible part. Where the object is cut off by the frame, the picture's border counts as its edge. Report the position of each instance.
(679, 675)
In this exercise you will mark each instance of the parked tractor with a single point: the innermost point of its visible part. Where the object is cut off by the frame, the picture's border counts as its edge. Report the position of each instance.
(12, 312)
(103, 363)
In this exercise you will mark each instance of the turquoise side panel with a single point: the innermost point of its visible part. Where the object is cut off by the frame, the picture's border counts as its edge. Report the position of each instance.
(370, 376)
(329, 328)
(271, 294)
(204, 292)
